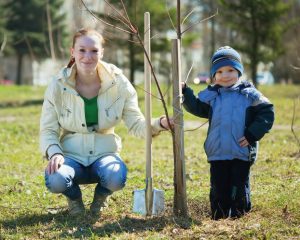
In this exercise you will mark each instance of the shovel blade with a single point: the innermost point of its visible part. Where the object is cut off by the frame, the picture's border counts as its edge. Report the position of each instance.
(158, 206)
(139, 202)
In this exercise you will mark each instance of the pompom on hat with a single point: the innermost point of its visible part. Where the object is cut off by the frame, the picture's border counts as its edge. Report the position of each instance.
(226, 56)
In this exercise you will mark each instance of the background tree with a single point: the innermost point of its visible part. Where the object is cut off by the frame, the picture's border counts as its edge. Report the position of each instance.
(286, 67)
(2, 29)
(256, 28)
(60, 35)
(28, 33)
(3, 38)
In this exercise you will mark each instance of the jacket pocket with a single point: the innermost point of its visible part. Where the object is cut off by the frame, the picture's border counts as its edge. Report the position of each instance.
(110, 110)
(212, 143)
(64, 115)
(237, 150)
(113, 113)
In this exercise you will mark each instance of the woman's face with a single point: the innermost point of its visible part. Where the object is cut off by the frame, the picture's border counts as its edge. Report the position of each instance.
(87, 51)
(226, 76)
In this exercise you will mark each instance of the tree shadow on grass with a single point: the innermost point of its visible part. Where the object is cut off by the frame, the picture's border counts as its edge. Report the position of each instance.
(21, 103)
(63, 225)
(33, 219)
(129, 224)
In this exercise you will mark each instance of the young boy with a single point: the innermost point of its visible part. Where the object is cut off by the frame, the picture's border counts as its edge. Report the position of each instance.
(239, 116)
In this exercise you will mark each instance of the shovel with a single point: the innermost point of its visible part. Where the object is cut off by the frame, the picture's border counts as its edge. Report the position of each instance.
(148, 201)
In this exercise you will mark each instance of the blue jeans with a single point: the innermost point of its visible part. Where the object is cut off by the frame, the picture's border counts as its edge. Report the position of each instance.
(109, 172)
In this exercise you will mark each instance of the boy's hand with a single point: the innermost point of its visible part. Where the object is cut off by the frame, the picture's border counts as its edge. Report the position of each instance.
(243, 142)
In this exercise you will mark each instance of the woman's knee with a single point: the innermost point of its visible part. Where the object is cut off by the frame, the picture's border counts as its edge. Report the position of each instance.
(114, 177)
(56, 182)
(115, 183)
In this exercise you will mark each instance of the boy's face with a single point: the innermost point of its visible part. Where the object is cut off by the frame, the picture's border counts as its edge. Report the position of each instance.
(226, 76)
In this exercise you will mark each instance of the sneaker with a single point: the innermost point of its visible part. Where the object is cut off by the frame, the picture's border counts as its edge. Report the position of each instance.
(76, 207)
(98, 204)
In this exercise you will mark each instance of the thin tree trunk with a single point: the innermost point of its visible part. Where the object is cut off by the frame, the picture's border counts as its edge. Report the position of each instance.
(254, 71)
(131, 48)
(212, 41)
(49, 22)
(254, 59)
(180, 199)
(19, 68)
(131, 59)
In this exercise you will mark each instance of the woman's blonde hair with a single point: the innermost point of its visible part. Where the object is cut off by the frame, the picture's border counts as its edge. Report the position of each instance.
(84, 32)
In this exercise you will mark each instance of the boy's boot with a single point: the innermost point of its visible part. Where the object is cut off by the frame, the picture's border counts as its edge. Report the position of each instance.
(76, 207)
(98, 204)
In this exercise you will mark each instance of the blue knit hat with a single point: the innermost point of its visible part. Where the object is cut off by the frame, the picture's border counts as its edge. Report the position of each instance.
(226, 56)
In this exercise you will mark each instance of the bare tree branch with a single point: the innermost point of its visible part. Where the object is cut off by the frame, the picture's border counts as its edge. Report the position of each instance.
(157, 83)
(187, 77)
(179, 33)
(168, 89)
(186, 17)
(29, 47)
(154, 36)
(19, 41)
(170, 17)
(3, 44)
(200, 21)
(295, 67)
(147, 92)
(120, 20)
(127, 20)
(106, 23)
(116, 10)
(125, 10)
(194, 129)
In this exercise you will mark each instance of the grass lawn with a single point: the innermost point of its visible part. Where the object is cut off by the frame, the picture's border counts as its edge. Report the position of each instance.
(29, 211)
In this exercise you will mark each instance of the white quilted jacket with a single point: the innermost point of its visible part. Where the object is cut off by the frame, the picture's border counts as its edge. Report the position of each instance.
(63, 127)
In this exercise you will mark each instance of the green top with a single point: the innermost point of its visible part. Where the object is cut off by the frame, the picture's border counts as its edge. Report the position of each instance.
(91, 110)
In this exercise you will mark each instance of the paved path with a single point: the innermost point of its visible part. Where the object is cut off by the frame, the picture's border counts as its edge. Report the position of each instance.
(188, 125)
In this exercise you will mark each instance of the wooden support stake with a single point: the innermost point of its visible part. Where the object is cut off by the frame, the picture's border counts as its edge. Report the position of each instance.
(180, 200)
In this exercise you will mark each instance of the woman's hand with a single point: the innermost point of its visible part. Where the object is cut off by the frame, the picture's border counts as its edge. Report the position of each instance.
(164, 123)
(54, 163)
(243, 142)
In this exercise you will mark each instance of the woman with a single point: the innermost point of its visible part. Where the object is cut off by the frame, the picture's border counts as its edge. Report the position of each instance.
(82, 106)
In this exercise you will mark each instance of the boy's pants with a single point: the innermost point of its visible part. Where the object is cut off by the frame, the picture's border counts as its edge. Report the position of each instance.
(229, 188)
(109, 172)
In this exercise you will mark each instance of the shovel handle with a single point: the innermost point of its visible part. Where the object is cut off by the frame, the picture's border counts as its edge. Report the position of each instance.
(147, 77)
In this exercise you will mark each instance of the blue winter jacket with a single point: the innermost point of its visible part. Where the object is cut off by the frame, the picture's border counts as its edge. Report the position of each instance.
(233, 112)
